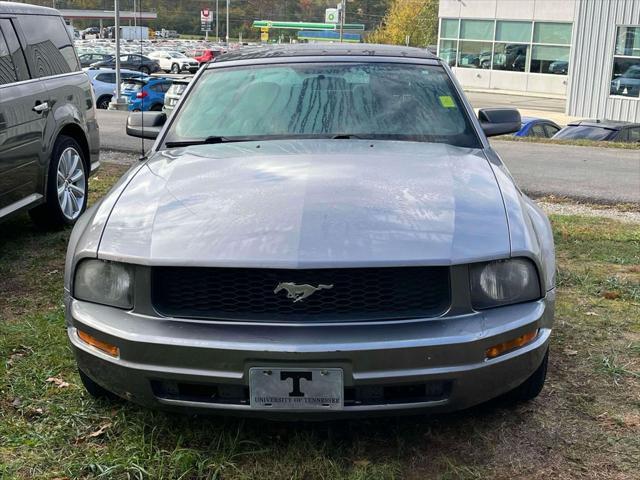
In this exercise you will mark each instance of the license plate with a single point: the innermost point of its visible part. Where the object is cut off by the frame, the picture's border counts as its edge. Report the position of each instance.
(296, 388)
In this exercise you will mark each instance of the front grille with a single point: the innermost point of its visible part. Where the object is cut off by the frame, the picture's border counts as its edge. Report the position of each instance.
(225, 394)
(248, 294)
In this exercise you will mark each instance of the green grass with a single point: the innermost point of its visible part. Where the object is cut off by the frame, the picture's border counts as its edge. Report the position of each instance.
(584, 424)
(578, 143)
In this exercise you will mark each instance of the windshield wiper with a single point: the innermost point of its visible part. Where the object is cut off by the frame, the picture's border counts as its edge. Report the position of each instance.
(205, 141)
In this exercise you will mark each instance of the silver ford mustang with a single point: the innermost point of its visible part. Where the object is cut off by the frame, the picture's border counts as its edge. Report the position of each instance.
(318, 231)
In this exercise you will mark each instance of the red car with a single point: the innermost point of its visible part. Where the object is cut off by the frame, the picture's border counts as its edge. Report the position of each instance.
(205, 55)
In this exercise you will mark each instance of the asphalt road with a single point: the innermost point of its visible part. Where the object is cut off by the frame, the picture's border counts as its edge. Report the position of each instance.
(599, 175)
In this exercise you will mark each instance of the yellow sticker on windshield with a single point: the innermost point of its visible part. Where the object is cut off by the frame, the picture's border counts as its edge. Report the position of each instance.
(447, 102)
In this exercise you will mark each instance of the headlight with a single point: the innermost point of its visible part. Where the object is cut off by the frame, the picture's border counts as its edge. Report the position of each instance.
(504, 282)
(103, 282)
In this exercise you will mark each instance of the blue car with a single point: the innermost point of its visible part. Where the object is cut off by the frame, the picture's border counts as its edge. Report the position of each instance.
(537, 127)
(145, 94)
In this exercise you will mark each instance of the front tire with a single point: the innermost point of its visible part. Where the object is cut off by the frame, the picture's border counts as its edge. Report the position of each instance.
(145, 70)
(531, 387)
(67, 186)
(103, 102)
(95, 390)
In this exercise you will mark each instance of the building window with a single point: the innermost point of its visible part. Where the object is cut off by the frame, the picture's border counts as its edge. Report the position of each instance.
(474, 54)
(625, 77)
(555, 33)
(517, 46)
(449, 51)
(476, 29)
(449, 28)
(551, 48)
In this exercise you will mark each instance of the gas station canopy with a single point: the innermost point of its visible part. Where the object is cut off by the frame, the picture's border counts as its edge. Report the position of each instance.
(307, 25)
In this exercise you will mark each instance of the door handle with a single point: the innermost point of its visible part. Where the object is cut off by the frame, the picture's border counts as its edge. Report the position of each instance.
(41, 107)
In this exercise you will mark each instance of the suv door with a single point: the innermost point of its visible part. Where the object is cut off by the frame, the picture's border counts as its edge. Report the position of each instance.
(20, 125)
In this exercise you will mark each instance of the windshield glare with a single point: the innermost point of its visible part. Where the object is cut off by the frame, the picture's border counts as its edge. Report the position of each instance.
(369, 100)
(177, 55)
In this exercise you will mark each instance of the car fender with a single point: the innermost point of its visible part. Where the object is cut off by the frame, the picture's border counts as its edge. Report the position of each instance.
(87, 232)
(530, 232)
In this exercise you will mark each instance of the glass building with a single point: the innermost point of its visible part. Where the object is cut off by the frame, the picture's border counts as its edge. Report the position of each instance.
(587, 51)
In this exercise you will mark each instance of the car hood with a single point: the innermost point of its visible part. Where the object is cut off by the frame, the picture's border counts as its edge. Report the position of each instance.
(310, 203)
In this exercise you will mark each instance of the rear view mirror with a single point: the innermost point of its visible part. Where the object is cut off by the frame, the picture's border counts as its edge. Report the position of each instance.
(145, 125)
(499, 121)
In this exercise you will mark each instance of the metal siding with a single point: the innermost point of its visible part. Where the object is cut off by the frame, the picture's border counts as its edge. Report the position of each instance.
(592, 60)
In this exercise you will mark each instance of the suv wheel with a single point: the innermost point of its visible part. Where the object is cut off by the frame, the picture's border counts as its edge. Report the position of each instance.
(67, 186)
(531, 387)
(103, 102)
(175, 68)
(95, 390)
(145, 70)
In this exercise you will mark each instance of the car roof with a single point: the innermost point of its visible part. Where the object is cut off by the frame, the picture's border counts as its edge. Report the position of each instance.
(527, 120)
(325, 50)
(23, 8)
(608, 124)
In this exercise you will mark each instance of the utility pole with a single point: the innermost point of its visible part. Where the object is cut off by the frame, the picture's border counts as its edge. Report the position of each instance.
(227, 23)
(343, 8)
(117, 101)
(217, 35)
(116, 7)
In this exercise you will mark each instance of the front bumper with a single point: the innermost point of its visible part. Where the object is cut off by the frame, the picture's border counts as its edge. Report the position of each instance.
(449, 351)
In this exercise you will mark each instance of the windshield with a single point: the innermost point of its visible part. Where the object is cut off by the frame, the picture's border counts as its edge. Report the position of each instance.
(588, 132)
(365, 100)
(177, 55)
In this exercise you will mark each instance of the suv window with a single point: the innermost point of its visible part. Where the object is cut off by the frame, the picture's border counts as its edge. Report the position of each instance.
(551, 130)
(49, 47)
(15, 56)
(7, 69)
(537, 130)
(106, 77)
(622, 135)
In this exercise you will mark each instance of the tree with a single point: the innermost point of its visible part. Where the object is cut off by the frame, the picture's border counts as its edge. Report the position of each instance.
(417, 19)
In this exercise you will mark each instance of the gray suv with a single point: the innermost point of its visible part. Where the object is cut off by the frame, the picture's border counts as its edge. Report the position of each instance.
(49, 140)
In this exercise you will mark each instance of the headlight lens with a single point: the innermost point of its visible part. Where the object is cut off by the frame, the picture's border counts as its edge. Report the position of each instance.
(504, 282)
(103, 282)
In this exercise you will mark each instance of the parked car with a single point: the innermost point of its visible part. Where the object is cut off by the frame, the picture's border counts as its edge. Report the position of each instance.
(537, 127)
(603, 130)
(131, 61)
(88, 32)
(103, 81)
(331, 233)
(174, 62)
(49, 142)
(628, 83)
(145, 94)
(87, 59)
(175, 91)
(205, 55)
(559, 67)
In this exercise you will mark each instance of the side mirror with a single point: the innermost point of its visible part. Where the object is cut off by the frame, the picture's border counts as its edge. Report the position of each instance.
(499, 121)
(145, 125)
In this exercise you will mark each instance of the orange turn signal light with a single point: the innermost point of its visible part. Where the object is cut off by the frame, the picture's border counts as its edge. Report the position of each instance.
(505, 347)
(99, 344)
